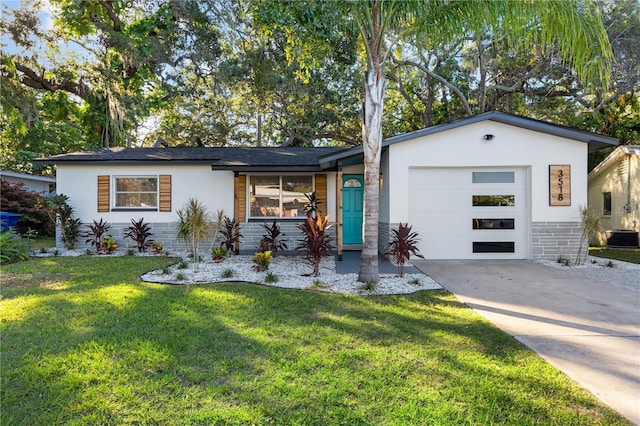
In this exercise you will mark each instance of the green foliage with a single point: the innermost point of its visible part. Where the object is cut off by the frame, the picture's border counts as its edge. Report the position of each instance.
(29, 205)
(228, 273)
(369, 286)
(12, 247)
(272, 239)
(271, 278)
(262, 260)
(108, 245)
(219, 253)
(60, 210)
(139, 232)
(231, 234)
(96, 232)
(403, 244)
(156, 247)
(194, 225)
(316, 242)
(590, 226)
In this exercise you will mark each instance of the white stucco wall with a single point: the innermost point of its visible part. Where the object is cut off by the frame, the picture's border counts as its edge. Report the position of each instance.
(512, 147)
(212, 188)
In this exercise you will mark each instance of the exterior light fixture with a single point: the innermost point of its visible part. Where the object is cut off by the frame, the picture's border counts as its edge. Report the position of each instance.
(488, 137)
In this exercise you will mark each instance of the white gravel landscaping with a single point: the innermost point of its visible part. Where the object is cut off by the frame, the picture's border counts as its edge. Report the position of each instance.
(623, 274)
(290, 272)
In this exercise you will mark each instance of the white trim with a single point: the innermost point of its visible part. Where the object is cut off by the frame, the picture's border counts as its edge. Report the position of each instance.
(280, 202)
(115, 192)
(26, 176)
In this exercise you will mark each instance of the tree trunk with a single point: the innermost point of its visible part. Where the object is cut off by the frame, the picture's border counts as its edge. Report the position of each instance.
(372, 144)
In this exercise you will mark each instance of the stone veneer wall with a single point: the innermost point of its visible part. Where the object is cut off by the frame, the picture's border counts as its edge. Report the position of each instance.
(551, 240)
(161, 232)
(252, 233)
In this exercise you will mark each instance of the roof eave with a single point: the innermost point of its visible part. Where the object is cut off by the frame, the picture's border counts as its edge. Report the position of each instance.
(266, 169)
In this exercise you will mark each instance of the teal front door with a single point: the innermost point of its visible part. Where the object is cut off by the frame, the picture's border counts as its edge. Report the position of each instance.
(352, 208)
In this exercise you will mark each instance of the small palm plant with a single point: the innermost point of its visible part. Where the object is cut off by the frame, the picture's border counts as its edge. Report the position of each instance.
(139, 232)
(316, 242)
(590, 226)
(194, 225)
(403, 245)
(272, 239)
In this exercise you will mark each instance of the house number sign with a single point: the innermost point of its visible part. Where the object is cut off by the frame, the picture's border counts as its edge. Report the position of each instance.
(560, 185)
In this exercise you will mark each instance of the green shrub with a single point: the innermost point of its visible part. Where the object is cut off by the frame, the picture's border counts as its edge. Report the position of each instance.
(262, 260)
(12, 248)
(228, 273)
(271, 278)
(219, 253)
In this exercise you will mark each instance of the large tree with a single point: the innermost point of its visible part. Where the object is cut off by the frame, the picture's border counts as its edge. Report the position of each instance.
(119, 60)
(572, 27)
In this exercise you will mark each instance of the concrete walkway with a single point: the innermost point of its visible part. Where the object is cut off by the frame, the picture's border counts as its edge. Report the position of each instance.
(350, 264)
(588, 329)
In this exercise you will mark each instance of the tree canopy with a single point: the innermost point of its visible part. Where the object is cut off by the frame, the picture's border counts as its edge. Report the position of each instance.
(226, 72)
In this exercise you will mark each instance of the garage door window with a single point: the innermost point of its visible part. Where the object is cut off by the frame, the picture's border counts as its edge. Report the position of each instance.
(494, 223)
(494, 200)
(494, 247)
(493, 177)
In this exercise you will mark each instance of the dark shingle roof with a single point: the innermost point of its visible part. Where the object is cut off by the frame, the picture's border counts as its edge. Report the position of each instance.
(234, 158)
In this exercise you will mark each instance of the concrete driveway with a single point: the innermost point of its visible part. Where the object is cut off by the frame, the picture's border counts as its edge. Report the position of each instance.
(588, 329)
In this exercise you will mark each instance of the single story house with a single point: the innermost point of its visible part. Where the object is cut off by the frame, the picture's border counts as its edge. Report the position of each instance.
(39, 184)
(491, 186)
(614, 192)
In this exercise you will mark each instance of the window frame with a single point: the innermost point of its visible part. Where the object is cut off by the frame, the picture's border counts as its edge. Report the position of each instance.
(115, 192)
(280, 177)
(607, 212)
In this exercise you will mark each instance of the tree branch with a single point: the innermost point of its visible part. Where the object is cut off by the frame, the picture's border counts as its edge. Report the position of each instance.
(108, 6)
(454, 89)
(32, 79)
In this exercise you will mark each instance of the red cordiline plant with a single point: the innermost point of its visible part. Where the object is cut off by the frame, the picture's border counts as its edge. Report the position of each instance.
(231, 234)
(316, 242)
(96, 233)
(272, 239)
(139, 231)
(403, 245)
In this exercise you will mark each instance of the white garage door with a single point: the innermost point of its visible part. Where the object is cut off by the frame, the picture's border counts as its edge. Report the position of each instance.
(470, 213)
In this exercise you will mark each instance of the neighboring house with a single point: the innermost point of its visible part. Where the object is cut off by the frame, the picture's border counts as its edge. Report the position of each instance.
(40, 184)
(493, 186)
(614, 191)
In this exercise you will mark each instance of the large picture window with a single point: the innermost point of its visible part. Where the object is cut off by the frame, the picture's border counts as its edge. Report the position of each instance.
(136, 192)
(279, 196)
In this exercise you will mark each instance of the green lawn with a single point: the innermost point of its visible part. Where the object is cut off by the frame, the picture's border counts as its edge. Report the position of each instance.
(84, 342)
(628, 255)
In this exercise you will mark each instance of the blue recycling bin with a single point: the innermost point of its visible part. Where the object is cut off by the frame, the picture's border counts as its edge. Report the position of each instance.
(8, 220)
